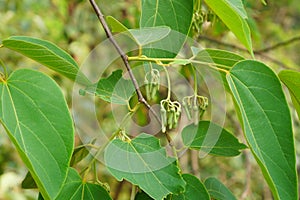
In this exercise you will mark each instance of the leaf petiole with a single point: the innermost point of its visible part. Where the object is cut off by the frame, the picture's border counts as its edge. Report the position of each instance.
(113, 136)
(170, 61)
(4, 69)
(86, 170)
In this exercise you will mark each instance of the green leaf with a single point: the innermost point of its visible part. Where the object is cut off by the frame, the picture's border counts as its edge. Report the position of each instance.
(76, 189)
(218, 190)
(238, 6)
(28, 182)
(141, 195)
(47, 54)
(115, 25)
(234, 16)
(40, 197)
(194, 189)
(141, 36)
(148, 35)
(267, 124)
(211, 138)
(175, 14)
(113, 89)
(145, 164)
(79, 153)
(264, 2)
(292, 80)
(36, 117)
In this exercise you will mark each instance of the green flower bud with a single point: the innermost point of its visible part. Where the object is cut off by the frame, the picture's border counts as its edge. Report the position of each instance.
(148, 92)
(196, 116)
(170, 120)
(163, 114)
(153, 92)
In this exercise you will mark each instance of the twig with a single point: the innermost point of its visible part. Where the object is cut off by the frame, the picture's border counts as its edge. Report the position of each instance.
(118, 189)
(221, 43)
(247, 189)
(195, 163)
(260, 52)
(274, 60)
(123, 56)
(278, 45)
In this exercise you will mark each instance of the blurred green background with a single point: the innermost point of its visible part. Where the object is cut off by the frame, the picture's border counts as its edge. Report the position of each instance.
(73, 26)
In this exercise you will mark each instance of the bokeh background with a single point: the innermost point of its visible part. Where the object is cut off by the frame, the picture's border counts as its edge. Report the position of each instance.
(73, 26)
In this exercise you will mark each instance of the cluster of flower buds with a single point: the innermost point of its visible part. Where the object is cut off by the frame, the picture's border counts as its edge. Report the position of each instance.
(170, 112)
(152, 82)
(195, 107)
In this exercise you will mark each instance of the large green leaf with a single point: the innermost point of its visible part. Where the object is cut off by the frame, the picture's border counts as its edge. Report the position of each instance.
(267, 124)
(36, 117)
(234, 16)
(218, 190)
(211, 138)
(194, 189)
(144, 163)
(175, 14)
(114, 88)
(292, 80)
(76, 189)
(47, 54)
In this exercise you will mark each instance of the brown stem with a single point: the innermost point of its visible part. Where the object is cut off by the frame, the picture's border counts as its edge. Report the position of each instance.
(278, 45)
(260, 52)
(118, 189)
(195, 163)
(123, 56)
(247, 189)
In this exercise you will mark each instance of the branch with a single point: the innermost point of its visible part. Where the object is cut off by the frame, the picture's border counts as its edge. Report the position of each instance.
(203, 37)
(278, 45)
(124, 58)
(260, 52)
(247, 189)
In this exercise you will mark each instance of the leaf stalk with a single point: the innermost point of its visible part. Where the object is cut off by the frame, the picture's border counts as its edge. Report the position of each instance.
(160, 61)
